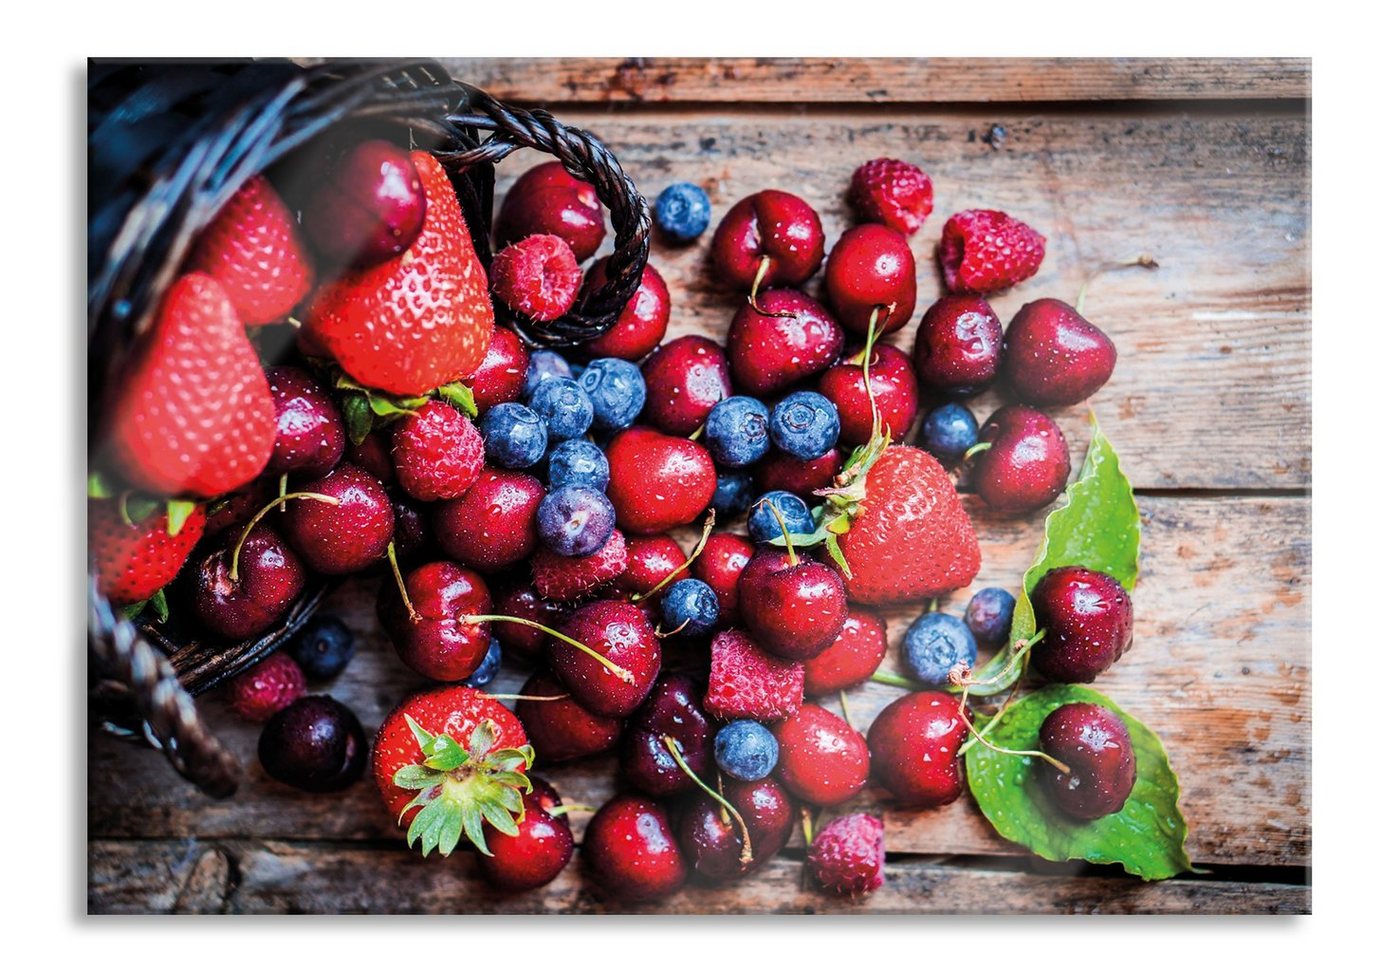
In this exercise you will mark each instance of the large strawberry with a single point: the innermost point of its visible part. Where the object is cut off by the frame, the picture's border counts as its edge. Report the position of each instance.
(449, 759)
(418, 321)
(900, 529)
(193, 414)
(251, 247)
(135, 555)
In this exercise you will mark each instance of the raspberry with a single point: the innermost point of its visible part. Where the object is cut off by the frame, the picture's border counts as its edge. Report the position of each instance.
(748, 683)
(537, 278)
(894, 193)
(267, 688)
(848, 856)
(569, 578)
(983, 251)
(438, 453)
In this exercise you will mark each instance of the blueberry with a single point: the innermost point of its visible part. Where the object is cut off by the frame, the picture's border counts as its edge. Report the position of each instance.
(323, 647)
(315, 744)
(616, 390)
(763, 524)
(689, 607)
(545, 364)
(746, 750)
(489, 668)
(575, 521)
(683, 211)
(988, 615)
(948, 432)
(578, 462)
(733, 493)
(736, 433)
(515, 436)
(805, 425)
(936, 644)
(564, 406)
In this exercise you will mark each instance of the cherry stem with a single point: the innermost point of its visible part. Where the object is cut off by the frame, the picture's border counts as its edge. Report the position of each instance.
(704, 538)
(508, 697)
(669, 634)
(787, 537)
(996, 717)
(898, 681)
(872, 334)
(698, 434)
(282, 492)
(962, 713)
(242, 537)
(607, 663)
(763, 265)
(1079, 301)
(846, 709)
(746, 851)
(413, 614)
(979, 447)
(1022, 646)
(563, 808)
(807, 826)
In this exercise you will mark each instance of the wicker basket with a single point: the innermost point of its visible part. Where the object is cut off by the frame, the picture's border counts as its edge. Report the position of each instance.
(168, 145)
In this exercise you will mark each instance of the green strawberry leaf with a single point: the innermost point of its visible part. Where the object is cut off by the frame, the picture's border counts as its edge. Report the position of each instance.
(460, 397)
(1098, 527)
(176, 513)
(98, 487)
(160, 606)
(1147, 836)
(359, 420)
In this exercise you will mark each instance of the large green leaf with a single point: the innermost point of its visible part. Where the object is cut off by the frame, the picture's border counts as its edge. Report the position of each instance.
(1147, 836)
(1098, 527)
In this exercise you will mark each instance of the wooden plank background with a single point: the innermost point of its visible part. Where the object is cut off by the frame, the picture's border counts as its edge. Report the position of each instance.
(1204, 166)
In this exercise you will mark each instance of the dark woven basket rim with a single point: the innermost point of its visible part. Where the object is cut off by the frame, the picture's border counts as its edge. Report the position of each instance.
(143, 223)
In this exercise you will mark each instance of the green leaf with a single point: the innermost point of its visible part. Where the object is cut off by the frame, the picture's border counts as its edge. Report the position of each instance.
(359, 420)
(482, 739)
(160, 606)
(176, 513)
(415, 776)
(1147, 836)
(389, 407)
(460, 397)
(133, 611)
(98, 488)
(447, 754)
(423, 736)
(1097, 527)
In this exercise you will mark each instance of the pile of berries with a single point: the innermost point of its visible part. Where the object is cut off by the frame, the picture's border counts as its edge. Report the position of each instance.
(384, 420)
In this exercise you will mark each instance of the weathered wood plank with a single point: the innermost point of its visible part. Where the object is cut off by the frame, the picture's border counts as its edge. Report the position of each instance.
(1219, 668)
(881, 80)
(1212, 389)
(254, 877)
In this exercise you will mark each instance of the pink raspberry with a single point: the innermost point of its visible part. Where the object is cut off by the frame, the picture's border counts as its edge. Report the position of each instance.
(562, 578)
(748, 683)
(537, 278)
(895, 193)
(267, 688)
(438, 453)
(848, 856)
(983, 251)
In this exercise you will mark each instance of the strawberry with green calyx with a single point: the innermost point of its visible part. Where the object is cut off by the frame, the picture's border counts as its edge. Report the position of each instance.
(366, 409)
(137, 546)
(448, 761)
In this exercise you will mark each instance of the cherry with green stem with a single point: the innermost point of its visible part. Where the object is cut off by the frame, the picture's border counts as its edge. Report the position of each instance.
(746, 852)
(253, 521)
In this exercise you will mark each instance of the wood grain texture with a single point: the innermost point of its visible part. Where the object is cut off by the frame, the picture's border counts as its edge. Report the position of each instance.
(881, 80)
(1219, 668)
(277, 877)
(1212, 388)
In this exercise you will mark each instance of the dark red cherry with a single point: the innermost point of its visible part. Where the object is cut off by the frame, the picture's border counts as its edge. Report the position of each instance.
(1028, 463)
(438, 642)
(672, 709)
(642, 323)
(711, 840)
(493, 525)
(958, 346)
(914, 744)
(315, 744)
(520, 600)
(413, 539)
(374, 456)
(821, 758)
(269, 578)
(1054, 356)
(630, 850)
(1094, 743)
(852, 657)
(794, 609)
(538, 852)
(501, 375)
(788, 338)
(774, 225)
(658, 482)
(348, 536)
(561, 729)
(369, 208)
(546, 199)
(896, 394)
(782, 471)
(871, 269)
(685, 378)
(310, 431)
(1088, 622)
(720, 565)
(619, 632)
(650, 560)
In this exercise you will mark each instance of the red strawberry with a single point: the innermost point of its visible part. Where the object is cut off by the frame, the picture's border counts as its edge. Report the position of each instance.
(851, 659)
(135, 560)
(253, 250)
(194, 414)
(748, 683)
(984, 250)
(418, 321)
(848, 856)
(448, 760)
(438, 453)
(913, 539)
(570, 578)
(892, 192)
(267, 688)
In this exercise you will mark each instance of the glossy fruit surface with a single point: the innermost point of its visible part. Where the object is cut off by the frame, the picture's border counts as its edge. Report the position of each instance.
(720, 565)
(519, 599)
(348, 536)
(895, 389)
(501, 375)
(134, 560)
(563, 406)
(617, 391)
(772, 224)
(685, 378)
(370, 207)
(260, 692)
(851, 659)
(641, 325)
(988, 615)
(671, 710)
(631, 851)
(437, 452)
(776, 510)
(746, 750)
(914, 744)
(560, 729)
(493, 525)
(794, 609)
(821, 758)
(805, 425)
(689, 609)
(1027, 466)
(736, 433)
(514, 436)
(957, 350)
(571, 578)
(787, 338)
(1056, 357)
(1088, 622)
(1094, 744)
(270, 577)
(659, 481)
(948, 432)
(711, 839)
(781, 472)
(871, 271)
(547, 199)
(439, 643)
(538, 853)
(310, 431)
(315, 744)
(575, 521)
(621, 633)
